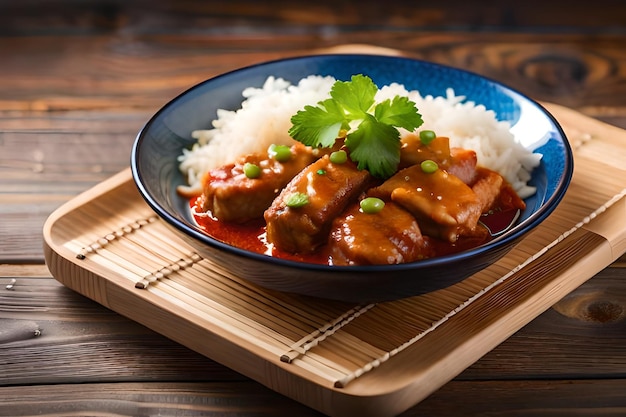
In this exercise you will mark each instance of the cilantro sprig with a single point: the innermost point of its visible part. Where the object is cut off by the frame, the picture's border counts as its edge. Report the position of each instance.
(372, 134)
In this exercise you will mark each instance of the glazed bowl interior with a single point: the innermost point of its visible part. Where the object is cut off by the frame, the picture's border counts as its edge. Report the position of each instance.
(155, 171)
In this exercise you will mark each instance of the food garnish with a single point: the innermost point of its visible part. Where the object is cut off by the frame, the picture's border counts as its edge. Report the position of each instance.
(370, 129)
(427, 136)
(429, 166)
(338, 157)
(281, 153)
(371, 205)
(251, 170)
(297, 200)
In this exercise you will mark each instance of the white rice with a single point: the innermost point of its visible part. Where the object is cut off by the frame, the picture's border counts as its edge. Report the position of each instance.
(264, 119)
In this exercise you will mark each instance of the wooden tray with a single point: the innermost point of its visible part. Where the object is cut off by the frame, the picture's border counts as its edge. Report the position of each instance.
(341, 359)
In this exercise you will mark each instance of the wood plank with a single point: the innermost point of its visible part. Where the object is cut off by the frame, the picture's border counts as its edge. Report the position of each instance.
(46, 159)
(47, 154)
(99, 72)
(243, 398)
(39, 314)
(584, 398)
(526, 398)
(32, 16)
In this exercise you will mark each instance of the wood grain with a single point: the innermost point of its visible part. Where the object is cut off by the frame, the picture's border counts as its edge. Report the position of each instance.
(574, 70)
(79, 79)
(472, 399)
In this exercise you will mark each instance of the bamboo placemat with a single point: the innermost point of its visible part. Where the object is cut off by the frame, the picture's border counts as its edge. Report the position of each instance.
(340, 358)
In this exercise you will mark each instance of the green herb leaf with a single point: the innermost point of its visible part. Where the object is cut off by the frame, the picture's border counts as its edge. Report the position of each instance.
(318, 126)
(375, 146)
(372, 137)
(355, 96)
(400, 112)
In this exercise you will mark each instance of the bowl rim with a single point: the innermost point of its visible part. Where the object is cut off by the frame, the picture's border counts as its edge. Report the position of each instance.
(547, 207)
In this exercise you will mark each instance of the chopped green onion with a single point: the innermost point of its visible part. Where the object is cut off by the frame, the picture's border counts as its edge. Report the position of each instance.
(281, 153)
(321, 172)
(427, 136)
(371, 205)
(339, 157)
(429, 166)
(297, 200)
(251, 170)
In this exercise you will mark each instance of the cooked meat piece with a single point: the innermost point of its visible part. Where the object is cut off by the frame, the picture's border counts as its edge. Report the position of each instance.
(391, 236)
(443, 205)
(463, 164)
(231, 196)
(329, 188)
(487, 188)
(509, 199)
(457, 161)
(413, 152)
(494, 192)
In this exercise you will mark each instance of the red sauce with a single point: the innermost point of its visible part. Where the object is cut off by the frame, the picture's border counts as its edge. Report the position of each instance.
(250, 236)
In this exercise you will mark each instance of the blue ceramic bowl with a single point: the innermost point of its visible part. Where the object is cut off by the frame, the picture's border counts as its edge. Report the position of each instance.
(155, 171)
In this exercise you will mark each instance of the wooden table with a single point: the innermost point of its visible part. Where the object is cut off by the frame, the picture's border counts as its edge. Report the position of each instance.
(79, 79)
